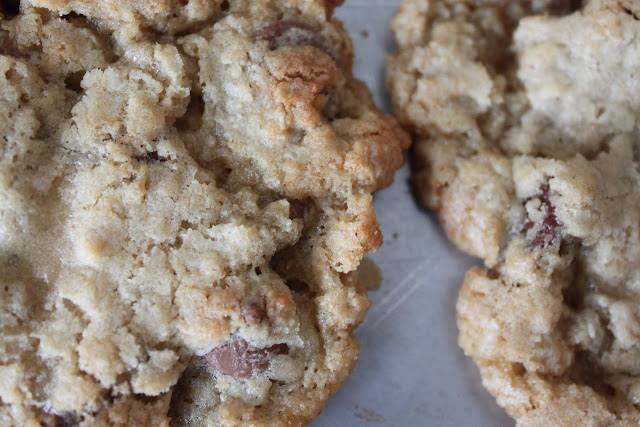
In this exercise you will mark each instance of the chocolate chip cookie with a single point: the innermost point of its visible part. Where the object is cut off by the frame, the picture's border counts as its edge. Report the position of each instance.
(526, 117)
(185, 194)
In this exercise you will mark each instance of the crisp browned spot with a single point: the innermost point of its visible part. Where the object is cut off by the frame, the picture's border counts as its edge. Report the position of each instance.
(518, 369)
(330, 6)
(240, 359)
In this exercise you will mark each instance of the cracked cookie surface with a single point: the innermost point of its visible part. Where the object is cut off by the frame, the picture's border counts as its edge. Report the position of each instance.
(185, 194)
(526, 116)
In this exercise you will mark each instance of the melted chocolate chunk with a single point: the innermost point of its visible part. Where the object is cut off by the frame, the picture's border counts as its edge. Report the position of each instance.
(240, 359)
(547, 234)
(253, 315)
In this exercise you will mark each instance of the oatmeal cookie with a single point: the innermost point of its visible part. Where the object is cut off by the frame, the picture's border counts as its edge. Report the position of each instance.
(526, 117)
(185, 194)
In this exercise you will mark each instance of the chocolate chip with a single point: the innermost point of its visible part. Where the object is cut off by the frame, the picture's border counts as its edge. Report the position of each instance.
(61, 419)
(547, 234)
(151, 156)
(240, 359)
(544, 193)
(273, 31)
(291, 33)
(253, 315)
(528, 225)
(280, 348)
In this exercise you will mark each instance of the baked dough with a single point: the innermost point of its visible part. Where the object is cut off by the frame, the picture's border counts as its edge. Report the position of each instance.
(526, 117)
(185, 194)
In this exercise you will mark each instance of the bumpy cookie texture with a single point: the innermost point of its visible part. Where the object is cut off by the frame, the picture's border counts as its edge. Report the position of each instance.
(526, 116)
(185, 194)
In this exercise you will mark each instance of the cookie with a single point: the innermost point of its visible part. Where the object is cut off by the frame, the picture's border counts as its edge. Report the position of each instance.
(185, 195)
(526, 118)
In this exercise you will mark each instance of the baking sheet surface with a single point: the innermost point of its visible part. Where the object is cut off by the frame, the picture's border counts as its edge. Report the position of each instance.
(411, 371)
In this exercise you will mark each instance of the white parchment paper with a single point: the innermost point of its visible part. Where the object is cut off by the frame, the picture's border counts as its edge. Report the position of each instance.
(411, 371)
